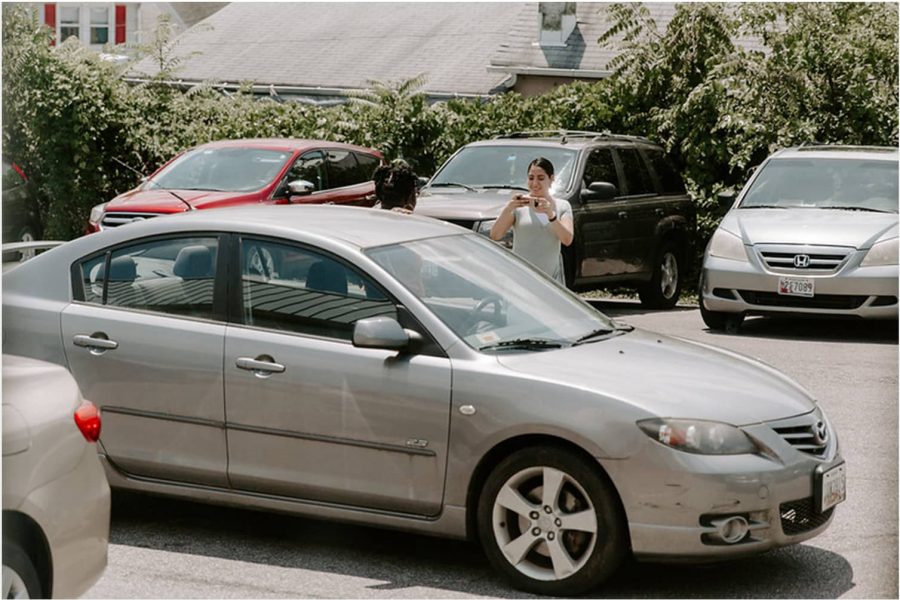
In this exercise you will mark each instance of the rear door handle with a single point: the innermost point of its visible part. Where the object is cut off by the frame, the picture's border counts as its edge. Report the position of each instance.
(623, 214)
(660, 211)
(261, 366)
(97, 342)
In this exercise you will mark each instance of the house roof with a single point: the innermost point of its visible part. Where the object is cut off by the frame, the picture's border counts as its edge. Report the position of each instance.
(345, 45)
(521, 53)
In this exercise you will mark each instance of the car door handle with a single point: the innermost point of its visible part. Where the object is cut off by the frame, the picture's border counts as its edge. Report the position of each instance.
(660, 211)
(262, 366)
(98, 343)
(623, 214)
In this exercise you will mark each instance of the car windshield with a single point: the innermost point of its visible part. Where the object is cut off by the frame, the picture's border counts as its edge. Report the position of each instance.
(492, 299)
(221, 170)
(846, 184)
(504, 167)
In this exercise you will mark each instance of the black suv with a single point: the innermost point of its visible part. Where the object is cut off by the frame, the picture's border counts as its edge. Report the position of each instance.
(633, 219)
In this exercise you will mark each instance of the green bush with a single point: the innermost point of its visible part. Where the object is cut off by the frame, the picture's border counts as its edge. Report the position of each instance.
(828, 73)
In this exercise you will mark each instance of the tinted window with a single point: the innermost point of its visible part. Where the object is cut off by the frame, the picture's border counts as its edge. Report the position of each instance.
(221, 169)
(342, 169)
(637, 178)
(600, 167)
(173, 276)
(669, 179)
(295, 289)
(367, 165)
(309, 167)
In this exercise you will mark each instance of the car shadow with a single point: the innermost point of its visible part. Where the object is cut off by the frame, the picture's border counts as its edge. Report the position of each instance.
(621, 308)
(818, 329)
(398, 560)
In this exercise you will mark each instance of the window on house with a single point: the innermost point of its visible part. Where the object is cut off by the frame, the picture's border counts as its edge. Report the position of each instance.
(69, 22)
(99, 25)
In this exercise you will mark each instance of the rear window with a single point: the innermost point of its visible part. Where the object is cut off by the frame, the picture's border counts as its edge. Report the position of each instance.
(669, 178)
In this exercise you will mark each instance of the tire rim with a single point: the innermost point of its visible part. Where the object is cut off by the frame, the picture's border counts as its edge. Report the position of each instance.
(668, 282)
(544, 523)
(13, 584)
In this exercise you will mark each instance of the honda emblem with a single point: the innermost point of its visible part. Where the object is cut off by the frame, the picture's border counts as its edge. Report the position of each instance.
(801, 261)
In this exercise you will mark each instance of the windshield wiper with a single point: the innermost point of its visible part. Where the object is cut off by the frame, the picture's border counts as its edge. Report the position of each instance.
(453, 184)
(763, 206)
(859, 208)
(602, 331)
(504, 187)
(524, 343)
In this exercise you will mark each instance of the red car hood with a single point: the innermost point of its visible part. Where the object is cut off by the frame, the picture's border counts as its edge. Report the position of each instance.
(162, 201)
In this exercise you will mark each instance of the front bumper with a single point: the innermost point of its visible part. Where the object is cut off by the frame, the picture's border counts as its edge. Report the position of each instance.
(748, 287)
(675, 501)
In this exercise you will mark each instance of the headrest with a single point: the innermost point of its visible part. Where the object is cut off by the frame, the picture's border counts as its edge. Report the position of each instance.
(193, 262)
(121, 268)
(327, 276)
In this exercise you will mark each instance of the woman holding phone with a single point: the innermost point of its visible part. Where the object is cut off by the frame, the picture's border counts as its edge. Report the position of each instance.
(540, 223)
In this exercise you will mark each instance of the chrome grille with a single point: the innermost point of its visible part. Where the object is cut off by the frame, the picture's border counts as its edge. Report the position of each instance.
(807, 433)
(115, 219)
(819, 260)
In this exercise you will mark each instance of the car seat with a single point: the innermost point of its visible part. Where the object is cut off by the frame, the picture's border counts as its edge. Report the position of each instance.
(193, 262)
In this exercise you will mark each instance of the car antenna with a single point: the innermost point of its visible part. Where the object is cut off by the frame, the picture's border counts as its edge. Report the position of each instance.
(143, 177)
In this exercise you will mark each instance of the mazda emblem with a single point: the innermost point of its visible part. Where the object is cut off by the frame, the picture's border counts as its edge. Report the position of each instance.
(801, 261)
(820, 432)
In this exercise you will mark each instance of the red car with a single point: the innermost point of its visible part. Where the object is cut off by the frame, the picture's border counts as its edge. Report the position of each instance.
(237, 172)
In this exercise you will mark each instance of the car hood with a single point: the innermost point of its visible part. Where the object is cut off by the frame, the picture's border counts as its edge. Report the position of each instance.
(811, 226)
(470, 206)
(671, 377)
(161, 201)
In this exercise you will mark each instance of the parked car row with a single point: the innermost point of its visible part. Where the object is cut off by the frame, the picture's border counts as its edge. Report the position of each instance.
(392, 370)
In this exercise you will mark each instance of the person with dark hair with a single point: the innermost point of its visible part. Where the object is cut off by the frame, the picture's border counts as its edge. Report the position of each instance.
(541, 224)
(395, 187)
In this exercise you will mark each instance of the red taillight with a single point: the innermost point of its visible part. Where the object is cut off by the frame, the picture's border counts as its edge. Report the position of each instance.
(87, 417)
(19, 170)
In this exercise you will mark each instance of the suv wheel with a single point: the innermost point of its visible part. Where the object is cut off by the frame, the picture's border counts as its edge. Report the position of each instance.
(664, 288)
(551, 522)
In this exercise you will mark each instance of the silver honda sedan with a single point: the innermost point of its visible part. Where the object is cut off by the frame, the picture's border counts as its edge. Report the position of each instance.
(394, 370)
(815, 232)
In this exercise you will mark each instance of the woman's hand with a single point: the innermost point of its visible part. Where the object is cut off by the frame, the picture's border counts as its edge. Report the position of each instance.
(544, 206)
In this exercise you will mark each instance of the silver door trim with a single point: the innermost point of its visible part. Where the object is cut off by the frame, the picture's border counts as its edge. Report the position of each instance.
(332, 440)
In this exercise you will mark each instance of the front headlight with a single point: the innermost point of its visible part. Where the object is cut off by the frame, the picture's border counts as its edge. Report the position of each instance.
(882, 254)
(725, 244)
(97, 212)
(699, 437)
(484, 228)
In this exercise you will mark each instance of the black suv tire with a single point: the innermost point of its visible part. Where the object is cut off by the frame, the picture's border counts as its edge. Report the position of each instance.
(664, 287)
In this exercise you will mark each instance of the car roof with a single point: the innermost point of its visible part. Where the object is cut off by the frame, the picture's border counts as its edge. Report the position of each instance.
(839, 152)
(356, 226)
(292, 144)
(563, 139)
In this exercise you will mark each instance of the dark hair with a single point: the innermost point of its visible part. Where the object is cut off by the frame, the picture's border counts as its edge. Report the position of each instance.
(543, 163)
(395, 185)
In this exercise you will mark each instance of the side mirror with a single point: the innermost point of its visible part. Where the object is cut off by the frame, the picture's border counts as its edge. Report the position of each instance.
(301, 187)
(726, 199)
(382, 332)
(599, 191)
(421, 182)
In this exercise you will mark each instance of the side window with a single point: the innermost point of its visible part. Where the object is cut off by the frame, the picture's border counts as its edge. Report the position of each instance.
(636, 175)
(367, 165)
(669, 179)
(600, 167)
(172, 276)
(290, 288)
(342, 169)
(310, 167)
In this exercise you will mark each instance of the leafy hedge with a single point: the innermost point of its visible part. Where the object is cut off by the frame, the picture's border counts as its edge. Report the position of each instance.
(825, 72)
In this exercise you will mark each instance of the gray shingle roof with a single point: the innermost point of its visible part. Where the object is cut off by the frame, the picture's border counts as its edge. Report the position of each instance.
(344, 45)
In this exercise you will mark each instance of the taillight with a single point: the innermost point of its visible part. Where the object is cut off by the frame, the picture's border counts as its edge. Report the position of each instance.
(19, 170)
(87, 417)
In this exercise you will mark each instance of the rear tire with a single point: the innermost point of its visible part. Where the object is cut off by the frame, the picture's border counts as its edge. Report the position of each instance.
(664, 288)
(20, 578)
(551, 522)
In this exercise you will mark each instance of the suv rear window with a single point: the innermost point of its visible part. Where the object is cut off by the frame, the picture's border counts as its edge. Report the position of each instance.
(669, 179)
(637, 178)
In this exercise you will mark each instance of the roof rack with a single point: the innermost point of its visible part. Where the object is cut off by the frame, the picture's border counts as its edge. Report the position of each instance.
(565, 135)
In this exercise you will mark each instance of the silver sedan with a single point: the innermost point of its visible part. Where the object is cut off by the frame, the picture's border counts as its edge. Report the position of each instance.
(398, 371)
(814, 231)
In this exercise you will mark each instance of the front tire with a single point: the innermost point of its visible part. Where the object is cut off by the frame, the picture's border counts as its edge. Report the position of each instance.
(551, 522)
(719, 321)
(20, 578)
(664, 288)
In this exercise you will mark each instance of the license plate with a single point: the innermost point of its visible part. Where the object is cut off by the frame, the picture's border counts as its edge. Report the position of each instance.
(831, 488)
(796, 286)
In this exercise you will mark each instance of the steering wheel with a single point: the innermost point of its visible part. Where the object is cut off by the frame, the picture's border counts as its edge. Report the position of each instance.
(481, 315)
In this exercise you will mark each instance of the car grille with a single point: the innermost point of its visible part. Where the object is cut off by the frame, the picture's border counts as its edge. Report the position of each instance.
(115, 219)
(807, 433)
(820, 260)
(826, 301)
(800, 516)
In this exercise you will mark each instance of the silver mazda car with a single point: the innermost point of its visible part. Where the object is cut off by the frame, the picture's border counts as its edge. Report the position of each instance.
(814, 231)
(394, 370)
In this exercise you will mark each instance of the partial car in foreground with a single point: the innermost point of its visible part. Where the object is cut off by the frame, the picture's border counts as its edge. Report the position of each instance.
(400, 371)
(55, 495)
(251, 171)
(813, 232)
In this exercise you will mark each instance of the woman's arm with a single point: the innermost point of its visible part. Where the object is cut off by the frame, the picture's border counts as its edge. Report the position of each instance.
(507, 217)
